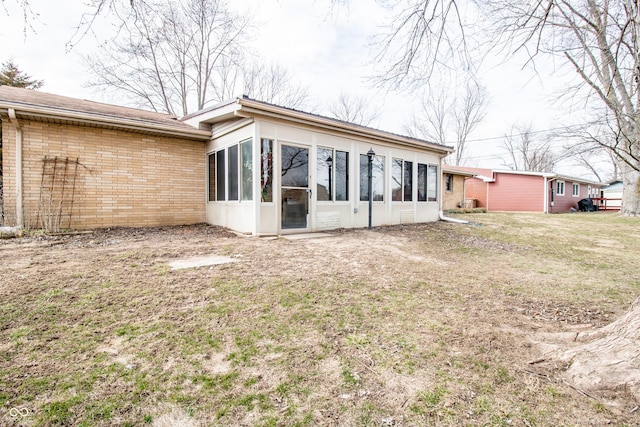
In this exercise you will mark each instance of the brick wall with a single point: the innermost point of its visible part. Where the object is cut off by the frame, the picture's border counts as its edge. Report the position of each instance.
(477, 189)
(455, 198)
(122, 178)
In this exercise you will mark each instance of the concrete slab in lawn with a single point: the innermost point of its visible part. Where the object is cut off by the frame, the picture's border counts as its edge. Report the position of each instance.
(200, 261)
(305, 236)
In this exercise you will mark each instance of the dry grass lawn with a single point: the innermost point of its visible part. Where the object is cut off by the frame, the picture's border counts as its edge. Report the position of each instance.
(430, 324)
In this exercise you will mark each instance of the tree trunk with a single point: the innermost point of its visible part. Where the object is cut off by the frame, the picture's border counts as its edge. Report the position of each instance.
(631, 191)
(607, 358)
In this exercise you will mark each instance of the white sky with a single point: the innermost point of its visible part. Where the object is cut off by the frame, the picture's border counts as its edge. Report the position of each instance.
(330, 53)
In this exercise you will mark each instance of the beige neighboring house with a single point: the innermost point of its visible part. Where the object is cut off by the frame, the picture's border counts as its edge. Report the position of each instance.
(454, 187)
(251, 166)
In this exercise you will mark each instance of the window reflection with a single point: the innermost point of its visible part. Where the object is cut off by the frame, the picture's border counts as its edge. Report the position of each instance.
(377, 172)
(295, 166)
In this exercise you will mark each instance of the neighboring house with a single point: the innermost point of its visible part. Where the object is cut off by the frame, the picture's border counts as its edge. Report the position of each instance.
(453, 187)
(247, 165)
(612, 194)
(517, 191)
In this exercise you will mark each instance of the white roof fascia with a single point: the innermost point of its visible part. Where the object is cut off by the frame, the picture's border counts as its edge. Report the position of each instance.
(579, 180)
(223, 111)
(485, 178)
(542, 174)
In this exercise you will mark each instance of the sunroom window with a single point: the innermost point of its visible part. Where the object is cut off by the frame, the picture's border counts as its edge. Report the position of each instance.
(332, 167)
(266, 170)
(427, 183)
(402, 180)
(377, 172)
(230, 173)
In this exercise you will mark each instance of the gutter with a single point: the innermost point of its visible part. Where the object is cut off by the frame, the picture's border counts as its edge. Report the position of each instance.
(19, 199)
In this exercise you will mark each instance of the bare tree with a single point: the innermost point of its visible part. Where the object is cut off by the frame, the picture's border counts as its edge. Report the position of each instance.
(525, 152)
(354, 109)
(273, 83)
(178, 56)
(95, 8)
(449, 118)
(422, 37)
(432, 122)
(585, 159)
(169, 54)
(28, 15)
(587, 148)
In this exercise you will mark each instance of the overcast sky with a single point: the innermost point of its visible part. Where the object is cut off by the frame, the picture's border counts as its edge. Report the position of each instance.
(328, 52)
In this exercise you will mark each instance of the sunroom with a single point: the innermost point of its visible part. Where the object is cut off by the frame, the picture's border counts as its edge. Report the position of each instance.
(274, 170)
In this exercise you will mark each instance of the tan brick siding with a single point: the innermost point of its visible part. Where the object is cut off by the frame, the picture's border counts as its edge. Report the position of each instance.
(123, 178)
(455, 198)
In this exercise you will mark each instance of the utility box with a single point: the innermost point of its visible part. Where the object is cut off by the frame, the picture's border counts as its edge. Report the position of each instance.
(470, 203)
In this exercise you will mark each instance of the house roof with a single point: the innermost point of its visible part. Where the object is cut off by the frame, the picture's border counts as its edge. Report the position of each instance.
(579, 180)
(245, 107)
(453, 170)
(614, 185)
(488, 175)
(42, 106)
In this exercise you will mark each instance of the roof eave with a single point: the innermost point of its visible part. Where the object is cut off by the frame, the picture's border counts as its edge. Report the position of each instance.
(104, 121)
(529, 173)
(580, 180)
(454, 171)
(251, 108)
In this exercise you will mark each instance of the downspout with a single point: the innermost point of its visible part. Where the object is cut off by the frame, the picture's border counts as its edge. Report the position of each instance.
(548, 190)
(545, 208)
(446, 218)
(441, 213)
(19, 199)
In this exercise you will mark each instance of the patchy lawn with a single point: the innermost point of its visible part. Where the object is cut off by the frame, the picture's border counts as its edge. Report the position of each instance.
(399, 326)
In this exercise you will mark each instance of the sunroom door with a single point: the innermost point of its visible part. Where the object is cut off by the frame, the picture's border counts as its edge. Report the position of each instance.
(294, 187)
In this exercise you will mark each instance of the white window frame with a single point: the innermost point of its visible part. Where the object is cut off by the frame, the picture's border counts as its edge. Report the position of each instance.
(575, 190)
(558, 185)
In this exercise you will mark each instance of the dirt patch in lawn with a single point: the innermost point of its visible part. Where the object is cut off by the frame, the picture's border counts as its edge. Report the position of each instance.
(410, 325)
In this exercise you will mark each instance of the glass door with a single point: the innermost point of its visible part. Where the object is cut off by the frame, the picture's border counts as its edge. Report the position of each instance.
(294, 187)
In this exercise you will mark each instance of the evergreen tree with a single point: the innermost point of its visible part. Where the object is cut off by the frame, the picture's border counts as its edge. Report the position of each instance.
(10, 75)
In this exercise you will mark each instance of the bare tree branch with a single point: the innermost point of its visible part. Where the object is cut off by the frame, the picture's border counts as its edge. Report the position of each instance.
(354, 109)
(449, 118)
(169, 54)
(525, 153)
(273, 83)
(423, 36)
